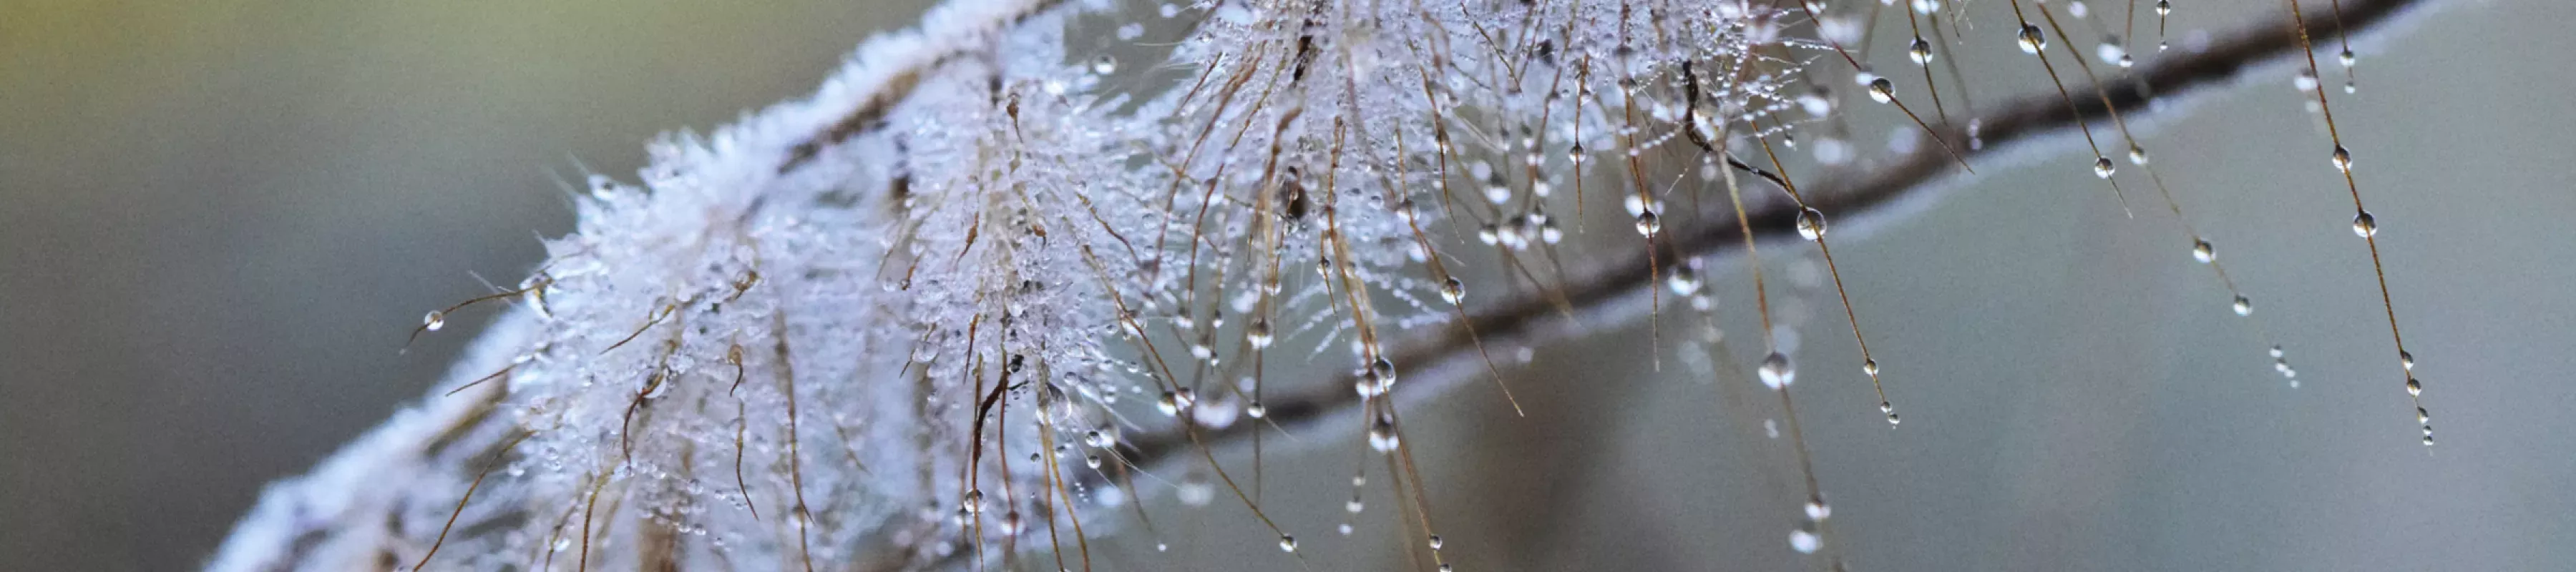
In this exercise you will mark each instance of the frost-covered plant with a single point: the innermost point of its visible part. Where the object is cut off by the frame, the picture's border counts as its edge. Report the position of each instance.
(944, 310)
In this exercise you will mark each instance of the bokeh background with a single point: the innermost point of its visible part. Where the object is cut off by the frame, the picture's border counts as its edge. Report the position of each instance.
(218, 220)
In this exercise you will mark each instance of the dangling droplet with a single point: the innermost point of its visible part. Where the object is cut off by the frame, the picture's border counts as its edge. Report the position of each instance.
(2276, 351)
(1105, 65)
(2103, 167)
(1921, 51)
(2346, 57)
(1817, 509)
(2406, 359)
(1869, 366)
(1777, 372)
(1382, 437)
(1287, 543)
(1648, 224)
(2342, 159)
(2414, 387)
(1804, 539)
(2243, 306)
(2200, 251)
(2364, 225)
(433, 321)
(1435, 542)
(1453, 291)
(2112, 53)
(2164, 8)
(1811, 224)
(2422, 416)
(1881, 90)
(2137, 155)
(1258, 333)
(2032, 41)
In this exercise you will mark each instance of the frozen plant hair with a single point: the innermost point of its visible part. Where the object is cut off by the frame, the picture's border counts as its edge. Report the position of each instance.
(949, 308)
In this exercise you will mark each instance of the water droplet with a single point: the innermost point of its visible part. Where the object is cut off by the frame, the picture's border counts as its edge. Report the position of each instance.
(1777, 372)
(2103, 167)
(2406, 359)
(2200, 251)
(2276, 351)
(1881, 90)
(1435, 542)
(1811, 224)
(1453, 291)
(2422, 416)
(1817, 509)
(1382, 436)
(2164, 8)
(433, 321)
(1684, 281)
(974, 502)
(2243, 306)
(2137, 155)
(2111, 52)
(1870, 366)
(1804, 539)
(1256, 411)
(1287, 543)
(1920, 52)
(2342, 159)
(1105, 65)
(2364, 225)
(2346, 57)
(1648, 224)
(2414, 387)
(1258, 333)
(2032, 41)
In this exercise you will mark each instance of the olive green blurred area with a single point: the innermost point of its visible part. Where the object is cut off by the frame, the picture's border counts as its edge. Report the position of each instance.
(219, 219)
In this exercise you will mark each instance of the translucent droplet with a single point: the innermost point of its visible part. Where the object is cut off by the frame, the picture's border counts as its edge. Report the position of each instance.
(2364, 225)
(2111, 52)
(1648, 224)
(1287, 543)
(1435, 542)
(1256, 411)
(1453, 291)
(433, 321)
(2422, 416)
(1105, 65)
(2032, 41)
(1777, 372)
(2103, 167)
(2406, 359)
(974, 502)
(1258, 333)
(2414, 387)
(1804, 539)
(1382, 436)
(1870, 366)
(2243, 306)
(2137, 155)
(2276, 351)
(2200, 251)
(2164, 8)
(1384, 370)
(1920, 52)
(2342, 159)
(1881, 90)
(2346, 57)
(1817, 509)
(1811, 224)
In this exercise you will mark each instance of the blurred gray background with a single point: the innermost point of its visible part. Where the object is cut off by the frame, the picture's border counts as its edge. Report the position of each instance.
(218, 220)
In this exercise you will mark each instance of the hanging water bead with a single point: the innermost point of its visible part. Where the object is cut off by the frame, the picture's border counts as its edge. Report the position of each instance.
(1870, 366)
(2243, 306)
(2102, 167)
(1920, 52)
(2414, 388)
(1817, 509)
(433, 321)
(1453, 291)
(2200, 251)
(1258, 333)
(1435, 542)
(2342, 159)
(2111, 52)
(1382, 437)
(2346, 57)
(2364, 225)
(2406, 360)
(2032, 40)
(1804, 539)
(1777, 372)
(2164, 8)
(1648, 224)
(1105, 65)
(1881, 90)
(2137, 155)
(1811, 224)
(1287, 543)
